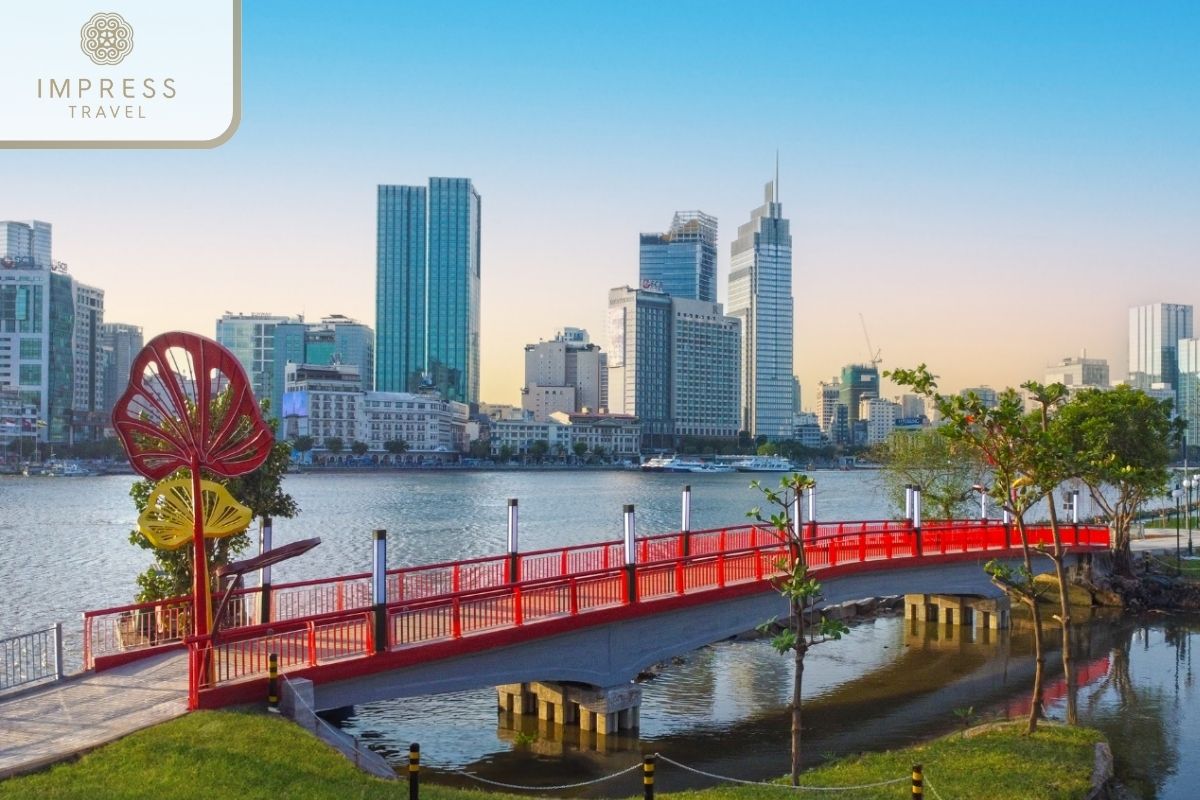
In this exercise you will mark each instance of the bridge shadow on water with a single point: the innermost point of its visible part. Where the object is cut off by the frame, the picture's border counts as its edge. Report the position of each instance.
(890, 683)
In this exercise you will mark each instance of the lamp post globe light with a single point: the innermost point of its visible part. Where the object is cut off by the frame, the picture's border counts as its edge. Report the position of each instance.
(1188, 485)
(1177, 493)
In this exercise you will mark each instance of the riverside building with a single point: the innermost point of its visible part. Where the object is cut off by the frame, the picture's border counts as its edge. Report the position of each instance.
(336, 339)
(327, 401)
(49, 328)
(567, 374)
(674, 364)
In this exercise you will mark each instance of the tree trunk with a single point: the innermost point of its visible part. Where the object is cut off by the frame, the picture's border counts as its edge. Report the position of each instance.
(797, 683)
(1064, 605)
(1039, 656)
(1122, 557)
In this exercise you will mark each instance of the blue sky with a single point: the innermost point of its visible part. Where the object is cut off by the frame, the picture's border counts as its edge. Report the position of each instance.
(990, 184)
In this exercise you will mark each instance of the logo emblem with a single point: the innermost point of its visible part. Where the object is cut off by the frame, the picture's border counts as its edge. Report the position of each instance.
(106, 38)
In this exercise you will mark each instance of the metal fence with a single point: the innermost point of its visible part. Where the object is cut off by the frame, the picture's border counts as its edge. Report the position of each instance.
(31, 657)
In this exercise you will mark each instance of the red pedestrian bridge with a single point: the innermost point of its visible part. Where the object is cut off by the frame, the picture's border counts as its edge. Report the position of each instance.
(577, 613)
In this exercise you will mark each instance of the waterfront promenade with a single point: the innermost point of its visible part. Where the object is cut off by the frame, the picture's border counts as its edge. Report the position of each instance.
(51, 723)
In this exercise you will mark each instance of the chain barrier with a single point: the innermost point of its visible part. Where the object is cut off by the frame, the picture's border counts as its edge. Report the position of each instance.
(931, 789)
(781, 785)
(359, 752)
(474, 777)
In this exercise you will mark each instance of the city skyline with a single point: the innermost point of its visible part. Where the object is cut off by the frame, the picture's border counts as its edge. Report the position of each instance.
(951, 171)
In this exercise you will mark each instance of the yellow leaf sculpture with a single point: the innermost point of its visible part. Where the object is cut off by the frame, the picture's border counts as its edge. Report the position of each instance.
(167, 521)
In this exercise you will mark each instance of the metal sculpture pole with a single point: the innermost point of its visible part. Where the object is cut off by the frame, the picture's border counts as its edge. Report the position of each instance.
(201, 591)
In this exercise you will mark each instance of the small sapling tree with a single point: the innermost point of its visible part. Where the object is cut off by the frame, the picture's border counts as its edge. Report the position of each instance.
(801, 591)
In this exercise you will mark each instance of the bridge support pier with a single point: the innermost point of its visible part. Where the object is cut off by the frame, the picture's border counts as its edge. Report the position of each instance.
(962, 610)
(601, 710)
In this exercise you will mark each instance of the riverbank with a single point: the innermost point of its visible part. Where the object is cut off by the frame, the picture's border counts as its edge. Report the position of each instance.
(255, 755)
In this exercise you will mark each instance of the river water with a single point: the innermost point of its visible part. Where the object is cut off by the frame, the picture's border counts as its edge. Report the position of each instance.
(64, 548)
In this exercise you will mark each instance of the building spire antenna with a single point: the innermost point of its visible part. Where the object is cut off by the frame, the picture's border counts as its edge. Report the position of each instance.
(776, 174)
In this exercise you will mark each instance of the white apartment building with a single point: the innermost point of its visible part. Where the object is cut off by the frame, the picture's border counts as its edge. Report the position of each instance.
(705, 369)
(880, 416)
(1078, 373)
(567, 374)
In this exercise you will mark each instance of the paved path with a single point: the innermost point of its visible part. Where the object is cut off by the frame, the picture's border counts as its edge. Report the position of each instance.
(46, 725)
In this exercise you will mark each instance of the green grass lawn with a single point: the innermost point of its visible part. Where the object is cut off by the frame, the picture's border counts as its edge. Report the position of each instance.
(246, 755)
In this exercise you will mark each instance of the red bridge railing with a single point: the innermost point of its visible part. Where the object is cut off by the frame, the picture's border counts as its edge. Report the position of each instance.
(445, 602)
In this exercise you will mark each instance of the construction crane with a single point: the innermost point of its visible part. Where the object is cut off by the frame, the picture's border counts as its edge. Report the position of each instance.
(874, 356)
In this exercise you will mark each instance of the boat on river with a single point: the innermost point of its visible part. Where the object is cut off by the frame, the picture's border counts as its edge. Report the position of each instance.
(764, 464)
(56, 469)
(677, 464)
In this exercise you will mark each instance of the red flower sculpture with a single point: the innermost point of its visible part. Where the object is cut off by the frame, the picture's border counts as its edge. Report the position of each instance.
(189, 404)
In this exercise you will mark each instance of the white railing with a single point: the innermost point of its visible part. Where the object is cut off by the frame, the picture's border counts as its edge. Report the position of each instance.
(31, 657)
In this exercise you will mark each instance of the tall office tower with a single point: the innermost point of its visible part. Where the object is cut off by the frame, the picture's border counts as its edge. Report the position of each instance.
(760, 295)
(639, 361)
(683, 261)
(121, 343)
(1154, 334)
(251, 337)
(858, 381)
(48, 325)
(336, 339)
(1079, 373)
(566, 374)
(427, 288)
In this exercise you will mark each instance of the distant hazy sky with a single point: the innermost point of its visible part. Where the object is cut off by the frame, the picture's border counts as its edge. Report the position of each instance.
(990, 184)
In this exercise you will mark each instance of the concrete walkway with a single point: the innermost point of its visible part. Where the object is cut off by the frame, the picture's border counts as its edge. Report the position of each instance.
(49, 724)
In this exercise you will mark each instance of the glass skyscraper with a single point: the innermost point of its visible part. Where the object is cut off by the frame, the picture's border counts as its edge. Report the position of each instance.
(683, 261)
(427, 288)
(1154, 334)
(760, 295)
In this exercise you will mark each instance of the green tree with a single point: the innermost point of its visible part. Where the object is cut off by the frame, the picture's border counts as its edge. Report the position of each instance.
(359, 448)
(538, 450)
(768, 449)
(580, 449)
(505, 453)
(945, 470)
(396, 447)
(303, 444)
(1001, 435)
(800, 590)
(261, 491)
(1121, 439)
(335, 444)
(598, 453)
(479, 448)
(1048, 467)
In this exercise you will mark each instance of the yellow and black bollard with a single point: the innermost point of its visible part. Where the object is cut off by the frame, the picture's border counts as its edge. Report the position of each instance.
(918, 783)
(414, 771)
(648, 776)
(273, 683)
